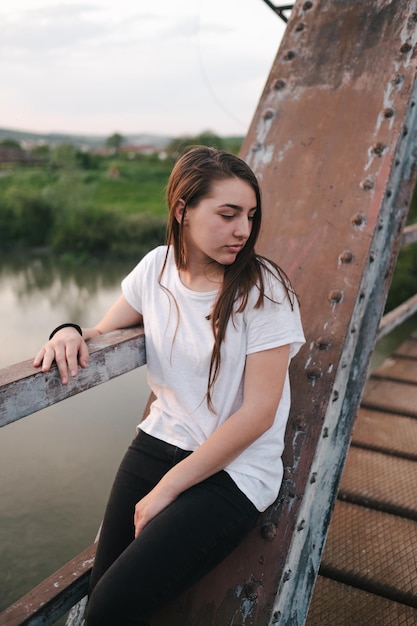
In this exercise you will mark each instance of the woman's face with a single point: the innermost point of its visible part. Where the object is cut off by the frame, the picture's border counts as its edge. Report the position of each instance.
(219, 226)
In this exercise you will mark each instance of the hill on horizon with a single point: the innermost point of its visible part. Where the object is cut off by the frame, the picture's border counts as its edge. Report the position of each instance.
(80, 140)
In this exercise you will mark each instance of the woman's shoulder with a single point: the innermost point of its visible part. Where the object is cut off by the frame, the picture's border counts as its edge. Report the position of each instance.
(155, 254)
(153, 258)
(273, 279)
(148, 265)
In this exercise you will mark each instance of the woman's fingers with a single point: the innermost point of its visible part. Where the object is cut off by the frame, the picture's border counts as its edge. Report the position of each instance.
(84, 355)
(37, 361)
(68, 350)
(149, 507)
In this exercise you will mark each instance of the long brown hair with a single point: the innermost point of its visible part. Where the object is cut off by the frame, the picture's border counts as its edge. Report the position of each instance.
(191, 180)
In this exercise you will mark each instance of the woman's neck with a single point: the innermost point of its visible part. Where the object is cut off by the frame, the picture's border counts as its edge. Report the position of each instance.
(206, 279)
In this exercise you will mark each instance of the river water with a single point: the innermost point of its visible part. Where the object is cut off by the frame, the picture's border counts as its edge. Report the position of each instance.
(57, 465)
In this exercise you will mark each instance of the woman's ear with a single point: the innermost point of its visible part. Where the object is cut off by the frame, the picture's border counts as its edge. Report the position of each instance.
(179, 211)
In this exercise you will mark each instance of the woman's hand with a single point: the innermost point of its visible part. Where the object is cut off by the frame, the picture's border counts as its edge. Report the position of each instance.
(68, 349)
(149, 507)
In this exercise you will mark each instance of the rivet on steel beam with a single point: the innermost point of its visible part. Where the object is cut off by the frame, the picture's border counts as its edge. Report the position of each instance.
(325, 432)
(313, 478)
(299, 27)
(372, 257)
(256, 147)
(358, 219)
(367, 184)
(406, 47)
(288, 472)
(287, 575)
(378, 148)
(313, 373)
(398, 79)
(276, 617)
(289, 55)
(307, 6)
(389, 112)
(300, 423)
(279, 84)
(389, 193)
(269, 531)
(335, 295)
(412, 19)
(269, 114)
(251, 590)
(335, 397)
(346, 256)
(405, 131)
(301, 525)
(323, 343)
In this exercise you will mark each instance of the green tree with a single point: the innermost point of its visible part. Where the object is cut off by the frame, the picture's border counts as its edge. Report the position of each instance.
(208, 138)
(42, 151)
(115, 142)
(10, 143)
(63, 156)
(180, 145)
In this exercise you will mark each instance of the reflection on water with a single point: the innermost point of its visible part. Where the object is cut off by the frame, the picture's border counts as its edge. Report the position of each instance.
(37, 294)
(57, 465)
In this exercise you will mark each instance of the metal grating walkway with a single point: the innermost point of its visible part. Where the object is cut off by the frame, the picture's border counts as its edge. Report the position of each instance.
(368, 573)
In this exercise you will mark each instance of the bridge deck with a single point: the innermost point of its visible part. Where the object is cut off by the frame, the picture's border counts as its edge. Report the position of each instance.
(368, 573)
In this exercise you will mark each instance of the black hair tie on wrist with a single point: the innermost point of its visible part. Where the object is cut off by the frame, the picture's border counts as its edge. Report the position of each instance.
(68, 325)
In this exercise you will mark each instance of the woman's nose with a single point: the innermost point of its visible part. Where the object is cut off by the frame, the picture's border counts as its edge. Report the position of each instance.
(243, 227)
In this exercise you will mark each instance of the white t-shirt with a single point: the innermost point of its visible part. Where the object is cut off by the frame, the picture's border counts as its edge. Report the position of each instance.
(179, 343)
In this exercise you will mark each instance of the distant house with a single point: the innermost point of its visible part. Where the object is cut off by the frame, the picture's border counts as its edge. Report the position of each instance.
(13, 156)
(132, 150)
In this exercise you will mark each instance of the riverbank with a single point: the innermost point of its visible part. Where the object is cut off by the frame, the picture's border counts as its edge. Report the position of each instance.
(114, 208)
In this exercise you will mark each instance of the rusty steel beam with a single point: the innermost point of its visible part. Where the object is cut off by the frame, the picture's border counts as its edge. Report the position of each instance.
(397, 316)
(409, 235)
(333, 142)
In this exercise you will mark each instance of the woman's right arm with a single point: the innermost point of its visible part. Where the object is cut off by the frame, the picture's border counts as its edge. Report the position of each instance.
(68, 349)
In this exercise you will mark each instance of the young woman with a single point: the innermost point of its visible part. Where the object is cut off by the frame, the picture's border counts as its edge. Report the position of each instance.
(221, 325)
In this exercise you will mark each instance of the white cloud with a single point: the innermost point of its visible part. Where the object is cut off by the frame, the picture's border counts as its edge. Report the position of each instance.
(170, 68)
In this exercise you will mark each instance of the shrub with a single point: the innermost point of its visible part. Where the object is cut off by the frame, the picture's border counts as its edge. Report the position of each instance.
(26, 217)
(137, 234)
(84, 230)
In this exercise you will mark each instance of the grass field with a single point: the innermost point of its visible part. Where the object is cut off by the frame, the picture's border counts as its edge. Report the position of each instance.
(134, 188)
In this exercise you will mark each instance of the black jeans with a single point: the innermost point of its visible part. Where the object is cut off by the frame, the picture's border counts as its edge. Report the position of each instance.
(132, 578)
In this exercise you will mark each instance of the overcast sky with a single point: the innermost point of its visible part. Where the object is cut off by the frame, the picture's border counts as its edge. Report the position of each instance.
(154, 66)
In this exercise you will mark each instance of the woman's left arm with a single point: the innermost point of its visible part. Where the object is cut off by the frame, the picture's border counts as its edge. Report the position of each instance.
(265, 374)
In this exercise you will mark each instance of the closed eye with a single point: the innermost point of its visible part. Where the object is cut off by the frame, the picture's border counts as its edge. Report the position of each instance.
(226, 216)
